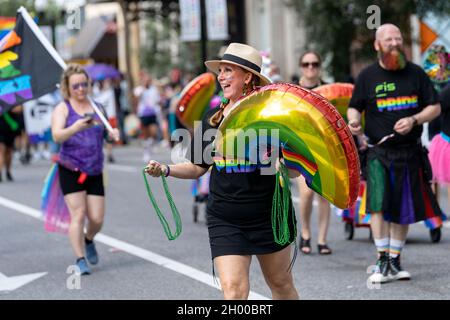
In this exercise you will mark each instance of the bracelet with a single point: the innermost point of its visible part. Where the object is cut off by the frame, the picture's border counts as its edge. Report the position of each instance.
(415, 121)
(167, 171)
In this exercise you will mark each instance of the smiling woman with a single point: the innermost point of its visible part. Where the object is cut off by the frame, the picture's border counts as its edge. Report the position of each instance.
(239, 206)
(80, 166)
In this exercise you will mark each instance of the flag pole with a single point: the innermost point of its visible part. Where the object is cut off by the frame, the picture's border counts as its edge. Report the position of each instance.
(51, 50)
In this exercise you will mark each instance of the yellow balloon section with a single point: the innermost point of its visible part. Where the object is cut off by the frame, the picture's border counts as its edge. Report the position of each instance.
(314, 138)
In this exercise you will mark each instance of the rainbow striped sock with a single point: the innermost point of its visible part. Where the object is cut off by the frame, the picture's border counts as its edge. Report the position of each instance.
(382, 245)
(395, 247)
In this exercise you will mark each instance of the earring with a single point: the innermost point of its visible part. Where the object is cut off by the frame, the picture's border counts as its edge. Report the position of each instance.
(245, 89)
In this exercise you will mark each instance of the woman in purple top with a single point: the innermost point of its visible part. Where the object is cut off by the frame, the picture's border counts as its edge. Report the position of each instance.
(79, 131)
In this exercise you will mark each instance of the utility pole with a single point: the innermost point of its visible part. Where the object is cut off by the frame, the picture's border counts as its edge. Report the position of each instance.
(204, 36)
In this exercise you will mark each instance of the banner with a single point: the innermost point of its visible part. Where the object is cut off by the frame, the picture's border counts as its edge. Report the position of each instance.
(190, 20)
(38, 116)
(217, 19)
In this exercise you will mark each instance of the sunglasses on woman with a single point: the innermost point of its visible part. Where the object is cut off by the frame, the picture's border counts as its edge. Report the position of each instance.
(312, 64)
(77, 86)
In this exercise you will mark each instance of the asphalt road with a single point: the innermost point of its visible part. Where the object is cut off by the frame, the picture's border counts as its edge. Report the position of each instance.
(138, 262)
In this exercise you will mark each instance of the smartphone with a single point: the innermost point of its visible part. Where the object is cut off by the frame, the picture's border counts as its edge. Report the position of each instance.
(89, 115)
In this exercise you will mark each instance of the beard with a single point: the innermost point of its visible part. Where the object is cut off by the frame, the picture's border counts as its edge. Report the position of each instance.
(393, 58)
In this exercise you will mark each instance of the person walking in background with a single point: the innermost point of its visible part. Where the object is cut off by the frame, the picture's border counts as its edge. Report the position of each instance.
(147, 110)
(440, 146)
(397, 97)
(80, 163)
(9, 130)
(310, 65)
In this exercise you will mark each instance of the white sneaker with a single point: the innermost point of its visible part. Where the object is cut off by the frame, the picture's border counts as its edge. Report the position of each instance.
(378, 277)
(381, 270)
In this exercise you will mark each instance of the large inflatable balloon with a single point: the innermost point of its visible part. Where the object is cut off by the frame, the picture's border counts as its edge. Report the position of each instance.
(313, 136)
(195, 98)
(339, 94)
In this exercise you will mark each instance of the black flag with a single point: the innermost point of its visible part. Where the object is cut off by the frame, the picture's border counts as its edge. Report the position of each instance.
(29, 66)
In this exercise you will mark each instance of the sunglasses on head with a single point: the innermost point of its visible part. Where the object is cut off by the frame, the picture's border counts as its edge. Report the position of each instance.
(312, 64)
(77, 86)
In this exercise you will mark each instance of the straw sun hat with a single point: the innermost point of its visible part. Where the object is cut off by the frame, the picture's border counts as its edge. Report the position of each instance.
(243, 56)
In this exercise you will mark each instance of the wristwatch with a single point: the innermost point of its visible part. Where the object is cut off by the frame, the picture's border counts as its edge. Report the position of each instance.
(415, 121)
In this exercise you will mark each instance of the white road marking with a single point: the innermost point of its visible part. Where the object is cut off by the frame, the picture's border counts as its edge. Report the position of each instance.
(15, 282)
(147, 255)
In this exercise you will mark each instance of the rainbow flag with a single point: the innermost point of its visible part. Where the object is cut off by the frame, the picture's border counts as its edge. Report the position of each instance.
(298, 162)
(29, 66)
(6, 25)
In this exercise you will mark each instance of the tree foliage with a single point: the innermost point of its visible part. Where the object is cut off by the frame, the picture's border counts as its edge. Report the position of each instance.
(8, 8)
(339, 27)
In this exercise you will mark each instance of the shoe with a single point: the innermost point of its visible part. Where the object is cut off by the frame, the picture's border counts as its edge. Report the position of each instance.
(9, 176)
(91, 253)
(82, 265)
(381, 271)
(111, 159)
(396, 272)
(304, 244)
(324, 249)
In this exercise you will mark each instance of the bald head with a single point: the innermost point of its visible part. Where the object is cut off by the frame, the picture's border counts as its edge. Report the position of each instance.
(388, 36)
(387, 28)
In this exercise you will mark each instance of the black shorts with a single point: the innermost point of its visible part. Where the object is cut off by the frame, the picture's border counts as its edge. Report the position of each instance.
(7, 138)
(68, 181)
(148, 120)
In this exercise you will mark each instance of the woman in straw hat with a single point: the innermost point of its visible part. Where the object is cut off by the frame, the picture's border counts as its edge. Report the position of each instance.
(240, 200)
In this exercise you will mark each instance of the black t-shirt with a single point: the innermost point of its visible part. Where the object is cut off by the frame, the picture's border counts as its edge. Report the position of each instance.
(238, 192)
(445, 109)
(387, 96)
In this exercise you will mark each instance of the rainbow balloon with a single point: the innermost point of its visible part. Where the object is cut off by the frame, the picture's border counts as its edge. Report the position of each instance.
(339, 94)
(195, 98)
(314, 137)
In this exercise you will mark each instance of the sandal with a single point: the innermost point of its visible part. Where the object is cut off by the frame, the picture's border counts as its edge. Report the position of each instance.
(305, 243)
(323, 249)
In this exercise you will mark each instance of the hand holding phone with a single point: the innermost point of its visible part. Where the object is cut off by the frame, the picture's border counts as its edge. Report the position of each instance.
(89, 115)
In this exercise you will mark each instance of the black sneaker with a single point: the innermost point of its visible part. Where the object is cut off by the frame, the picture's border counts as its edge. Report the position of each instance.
(396, 272)
(381, 270)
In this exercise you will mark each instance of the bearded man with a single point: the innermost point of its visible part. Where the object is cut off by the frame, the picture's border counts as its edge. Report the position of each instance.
(396, 97)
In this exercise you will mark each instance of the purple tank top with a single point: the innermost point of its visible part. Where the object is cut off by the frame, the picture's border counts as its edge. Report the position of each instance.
(84, 150)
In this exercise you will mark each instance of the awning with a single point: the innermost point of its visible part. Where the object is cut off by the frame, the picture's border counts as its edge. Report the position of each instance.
(97, 39)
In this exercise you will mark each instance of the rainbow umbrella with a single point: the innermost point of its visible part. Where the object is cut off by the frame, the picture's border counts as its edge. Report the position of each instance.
(314, 137)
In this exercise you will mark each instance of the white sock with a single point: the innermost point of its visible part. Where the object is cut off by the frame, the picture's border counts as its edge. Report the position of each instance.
(382, 245)
(395, 247)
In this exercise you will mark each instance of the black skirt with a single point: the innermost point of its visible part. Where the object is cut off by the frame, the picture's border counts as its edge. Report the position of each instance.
(250, 234)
